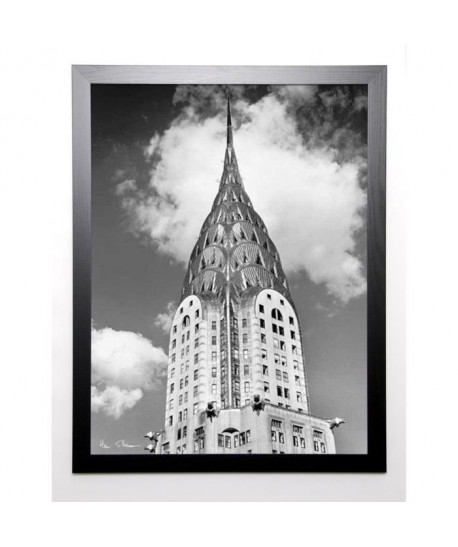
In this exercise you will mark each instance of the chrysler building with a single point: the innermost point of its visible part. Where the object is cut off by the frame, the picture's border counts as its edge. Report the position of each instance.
(237, 381)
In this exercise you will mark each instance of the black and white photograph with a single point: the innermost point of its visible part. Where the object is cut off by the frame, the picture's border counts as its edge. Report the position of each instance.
(229, 270)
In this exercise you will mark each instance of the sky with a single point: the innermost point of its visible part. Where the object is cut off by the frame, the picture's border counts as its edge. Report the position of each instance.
(157, 157)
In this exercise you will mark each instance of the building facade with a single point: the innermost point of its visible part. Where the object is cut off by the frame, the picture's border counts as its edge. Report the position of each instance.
(236, 376)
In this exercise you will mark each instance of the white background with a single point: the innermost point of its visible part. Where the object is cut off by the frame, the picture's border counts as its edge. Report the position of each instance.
(39, 43)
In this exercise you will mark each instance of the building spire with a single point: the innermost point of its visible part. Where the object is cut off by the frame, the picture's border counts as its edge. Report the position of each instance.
(229, 121)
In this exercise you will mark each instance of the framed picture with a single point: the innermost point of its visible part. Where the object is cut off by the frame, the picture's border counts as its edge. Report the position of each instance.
(229, 269)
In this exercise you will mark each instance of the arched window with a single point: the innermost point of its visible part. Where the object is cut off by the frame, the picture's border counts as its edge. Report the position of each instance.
(276, 314)
(186, 321)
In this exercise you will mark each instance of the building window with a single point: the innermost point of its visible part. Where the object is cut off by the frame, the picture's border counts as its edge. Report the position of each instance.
(172, 373)
(174, 344)
(302, 442)
(196, 391)
(172, 388)
(213, 325)
(276, 314)
(318, 441)
(282, 345)
(279, 391)
(286, 393)
(277, 358)
(236, 441)
(182, 338)
(245, 338)
(285, 376)
(214, 389)
(298, 396)
(278, 374)
(281, 331)
(276, 343)
(282, 302)
(269, 297)
(187, 350)
(187, 335)
(196, 328)
(295, 440)
(213, 340)
(246, 369)
(274, 328)
(264, 354)
(196, 343)
(186, 380)
(213, 372)
(186, 321)
(187, 365)
(261, 308)
(262, 323)
(245, 354)
(180, 400)
(186, 397)
(276, 431)
(220, 440)
(181, 310)
(266, 387)
(196, 374)
(179, 434)
(174, 329)
(191, 302)
(291, 321)
(170, 420)
(185, 414)
(248, 436)
(265, 370)
(294, 350)
(171, 404)
(247, 387)
(244, 323)
(196, 358)
(263, 338)
(195, 408)
(283, 361)
(297, 380)
(173, 358)
(197, 314)
(166, 448)
(227, 441)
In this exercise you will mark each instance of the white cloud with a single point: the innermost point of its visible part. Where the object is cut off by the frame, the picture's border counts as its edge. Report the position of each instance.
(128, 185)
(311, 204)
(114, 401)
(164, 320)
(124, 365)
